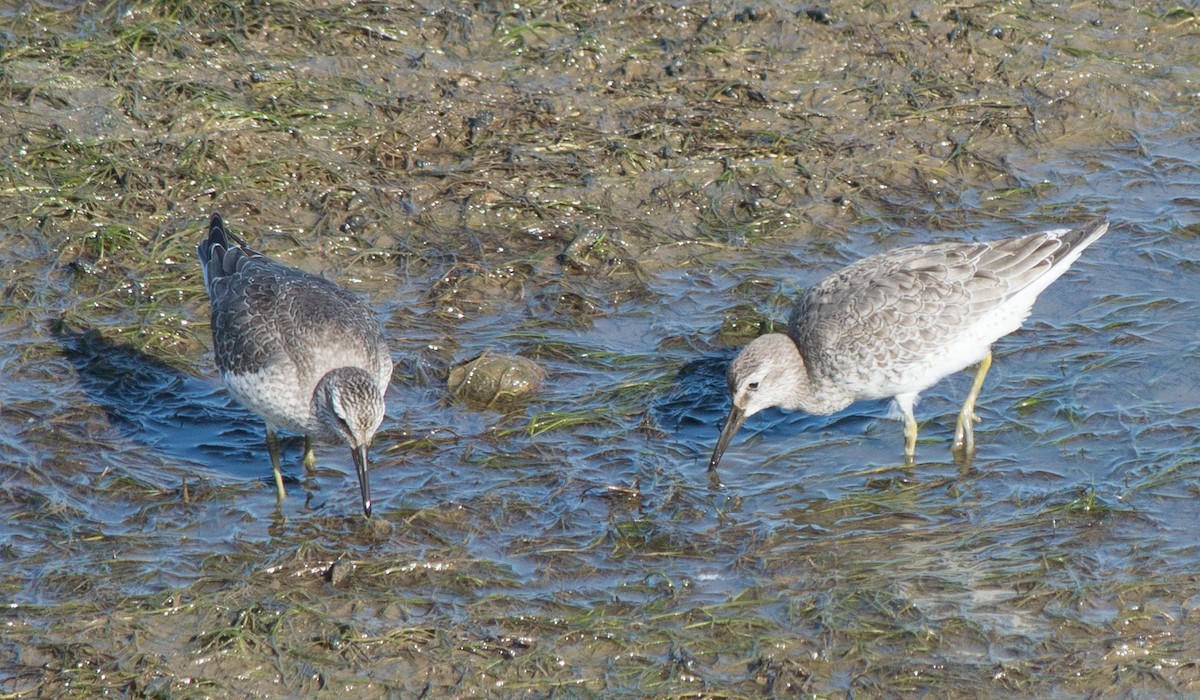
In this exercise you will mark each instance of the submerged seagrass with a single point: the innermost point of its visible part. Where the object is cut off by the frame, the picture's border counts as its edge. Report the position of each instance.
(301, 352)
(894, 324)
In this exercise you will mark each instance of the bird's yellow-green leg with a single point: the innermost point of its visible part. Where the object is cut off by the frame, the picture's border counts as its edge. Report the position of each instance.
(964, 433)
(910, 435)
(310, 459)
(273, 448)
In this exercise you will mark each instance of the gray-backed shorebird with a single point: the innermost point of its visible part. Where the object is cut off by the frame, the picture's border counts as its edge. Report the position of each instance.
(301, 352)
(894, 324)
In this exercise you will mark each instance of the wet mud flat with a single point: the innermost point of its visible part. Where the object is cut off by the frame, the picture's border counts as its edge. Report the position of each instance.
(621, 194)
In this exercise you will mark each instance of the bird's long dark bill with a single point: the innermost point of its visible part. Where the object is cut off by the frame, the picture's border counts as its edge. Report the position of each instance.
(364, 483)
(732, 423)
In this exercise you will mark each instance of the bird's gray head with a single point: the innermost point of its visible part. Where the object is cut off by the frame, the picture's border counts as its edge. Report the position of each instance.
(767, 372)
(350, 406)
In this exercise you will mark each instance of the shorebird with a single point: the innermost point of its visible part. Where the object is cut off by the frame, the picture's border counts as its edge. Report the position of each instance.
(894, 324)
(303, 353)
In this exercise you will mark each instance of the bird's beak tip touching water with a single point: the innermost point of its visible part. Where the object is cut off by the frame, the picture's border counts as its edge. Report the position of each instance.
(364, 484)
(732, 423)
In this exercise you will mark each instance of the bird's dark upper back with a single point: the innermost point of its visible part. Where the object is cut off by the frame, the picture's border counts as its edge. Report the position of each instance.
(265, 311)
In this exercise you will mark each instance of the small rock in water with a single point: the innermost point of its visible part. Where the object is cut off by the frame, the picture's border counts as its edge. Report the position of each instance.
(493, 380)
(338, 571)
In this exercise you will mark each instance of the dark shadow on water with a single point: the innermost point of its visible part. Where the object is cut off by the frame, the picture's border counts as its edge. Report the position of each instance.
(697, 400)
(182, 417)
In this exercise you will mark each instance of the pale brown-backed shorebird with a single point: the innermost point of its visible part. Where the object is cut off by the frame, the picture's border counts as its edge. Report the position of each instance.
(301, 352)
(894, 324)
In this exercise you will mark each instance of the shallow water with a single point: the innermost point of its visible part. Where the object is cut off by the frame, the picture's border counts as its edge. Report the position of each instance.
(576, 543)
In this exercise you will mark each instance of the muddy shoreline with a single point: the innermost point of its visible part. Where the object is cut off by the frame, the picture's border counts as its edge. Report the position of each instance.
(622, 194)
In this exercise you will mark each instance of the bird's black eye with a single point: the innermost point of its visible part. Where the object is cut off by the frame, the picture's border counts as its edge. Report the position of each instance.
(752, 386)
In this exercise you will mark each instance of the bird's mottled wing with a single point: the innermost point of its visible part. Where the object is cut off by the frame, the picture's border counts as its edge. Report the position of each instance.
(315, 313)
(269, 313)
(244, 299)
(895, 308)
